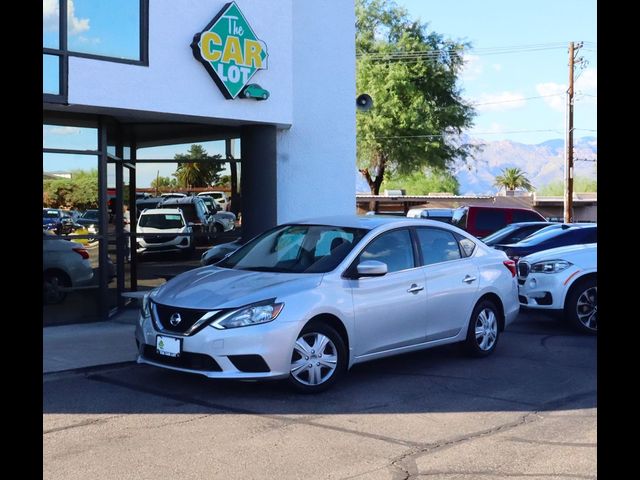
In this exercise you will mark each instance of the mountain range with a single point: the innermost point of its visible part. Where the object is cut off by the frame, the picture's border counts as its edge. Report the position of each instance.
(542, 163)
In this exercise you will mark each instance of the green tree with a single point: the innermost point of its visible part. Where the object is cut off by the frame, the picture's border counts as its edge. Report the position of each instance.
(196, 168)
(164, 183)
(512, 179)
(411, 75)
(580, 185)
(423, 183)
(80, 191)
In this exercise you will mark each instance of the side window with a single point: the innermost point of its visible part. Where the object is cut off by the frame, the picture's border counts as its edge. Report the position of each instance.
(524, 216)
(490, 219)
(393, 248)
(437, 245)
(467, 247)
(591, 235)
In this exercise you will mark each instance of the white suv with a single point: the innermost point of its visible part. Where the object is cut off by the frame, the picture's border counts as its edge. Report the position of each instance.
(219, 196)
(164, 230)
(562, 279)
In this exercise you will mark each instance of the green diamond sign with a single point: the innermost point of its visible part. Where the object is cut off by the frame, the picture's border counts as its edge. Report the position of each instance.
(230, 51)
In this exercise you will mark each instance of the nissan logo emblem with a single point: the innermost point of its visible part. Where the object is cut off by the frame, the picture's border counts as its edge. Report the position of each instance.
(175, 319)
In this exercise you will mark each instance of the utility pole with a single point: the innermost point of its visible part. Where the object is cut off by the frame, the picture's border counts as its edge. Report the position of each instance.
(568, 168)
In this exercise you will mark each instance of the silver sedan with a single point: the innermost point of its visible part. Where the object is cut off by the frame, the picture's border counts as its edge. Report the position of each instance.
(306, 301)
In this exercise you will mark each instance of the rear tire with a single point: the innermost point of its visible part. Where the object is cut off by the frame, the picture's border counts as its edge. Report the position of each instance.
(581, 306)
(483, 330)
(318, 359)
(52, 283)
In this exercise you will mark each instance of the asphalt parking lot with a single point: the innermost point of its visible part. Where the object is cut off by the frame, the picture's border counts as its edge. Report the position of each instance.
(527, 411)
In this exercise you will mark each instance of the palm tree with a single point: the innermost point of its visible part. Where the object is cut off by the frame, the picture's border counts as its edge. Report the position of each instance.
(513, 178)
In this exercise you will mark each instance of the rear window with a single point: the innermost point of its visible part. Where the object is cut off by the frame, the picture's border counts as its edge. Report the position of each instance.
(490, 219)
(162, 221)
(526, 216)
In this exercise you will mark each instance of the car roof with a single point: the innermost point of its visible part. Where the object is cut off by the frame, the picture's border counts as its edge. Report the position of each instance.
(367, 222)
(181, 200)
(161, 211)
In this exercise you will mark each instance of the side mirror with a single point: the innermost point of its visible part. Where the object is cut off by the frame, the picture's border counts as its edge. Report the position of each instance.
(372, 268)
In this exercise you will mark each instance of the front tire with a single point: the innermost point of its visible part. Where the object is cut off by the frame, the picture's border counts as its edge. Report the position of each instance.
(52, 287)
(318, 360)
(581, 306)
(483, 331)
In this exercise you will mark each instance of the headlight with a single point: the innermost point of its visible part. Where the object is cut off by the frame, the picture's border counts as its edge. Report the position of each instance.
(550, 266)
(145, 309)
(251, 315)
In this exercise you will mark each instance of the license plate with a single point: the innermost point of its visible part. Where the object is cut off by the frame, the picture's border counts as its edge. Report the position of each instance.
(168, 346)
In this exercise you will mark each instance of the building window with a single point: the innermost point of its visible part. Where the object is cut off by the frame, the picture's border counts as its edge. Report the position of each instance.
(109, 30)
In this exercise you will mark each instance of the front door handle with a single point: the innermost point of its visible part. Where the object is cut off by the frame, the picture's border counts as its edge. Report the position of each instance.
(469, 279)
(415, 288)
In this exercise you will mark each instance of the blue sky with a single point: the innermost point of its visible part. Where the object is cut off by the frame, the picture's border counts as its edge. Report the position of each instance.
(512, 78)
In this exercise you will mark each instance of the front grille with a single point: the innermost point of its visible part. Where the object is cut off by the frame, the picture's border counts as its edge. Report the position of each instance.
(523, 269)
(158, 238)
(188, 360)
(188, 316)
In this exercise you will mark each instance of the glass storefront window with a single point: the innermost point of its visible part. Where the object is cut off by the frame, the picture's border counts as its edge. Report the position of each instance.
(51, 74)
(69, 137)
(51, 24)
(104, 27)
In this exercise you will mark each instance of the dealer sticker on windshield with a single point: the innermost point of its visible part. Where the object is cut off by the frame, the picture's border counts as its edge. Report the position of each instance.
(168, 346)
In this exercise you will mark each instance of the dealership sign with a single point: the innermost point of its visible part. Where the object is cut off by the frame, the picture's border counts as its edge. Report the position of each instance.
(230, 50)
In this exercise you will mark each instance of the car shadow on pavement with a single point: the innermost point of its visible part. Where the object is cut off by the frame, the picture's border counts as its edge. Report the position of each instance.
(540, 364)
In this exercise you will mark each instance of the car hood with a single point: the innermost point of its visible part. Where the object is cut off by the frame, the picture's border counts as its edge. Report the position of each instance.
(562, 253)
(214, 287)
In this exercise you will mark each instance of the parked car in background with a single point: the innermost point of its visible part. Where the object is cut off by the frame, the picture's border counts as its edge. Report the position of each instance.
(514, 232)
(222, 221)
(65, 265)
(164, 230)
(173, 195)
(306, 301)
(564, 280)
(195, 213)
(552, 237)
(90, 220)
(481, 220)
(219, 196)
(149, 202)
(218, 252)
(441, 214)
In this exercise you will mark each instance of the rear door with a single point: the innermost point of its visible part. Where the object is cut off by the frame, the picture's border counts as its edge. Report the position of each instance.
(451, 282)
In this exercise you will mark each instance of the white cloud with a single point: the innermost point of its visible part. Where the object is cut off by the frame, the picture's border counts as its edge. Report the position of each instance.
(587, 81)
(64, 130)
(495, 102)
(497, 67)
(50, 15)
(76, 25)
(558, 100)
(472, 67)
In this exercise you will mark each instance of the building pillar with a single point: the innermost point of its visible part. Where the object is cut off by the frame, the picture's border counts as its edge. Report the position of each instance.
(259, 179)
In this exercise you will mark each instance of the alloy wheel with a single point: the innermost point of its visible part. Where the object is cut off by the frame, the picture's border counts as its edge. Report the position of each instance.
(486, 329)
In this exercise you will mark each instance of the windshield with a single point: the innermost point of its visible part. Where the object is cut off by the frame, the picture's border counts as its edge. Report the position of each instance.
(163, 221)
(543, 235)
(90, 215)
(296, 249)
(499, 235)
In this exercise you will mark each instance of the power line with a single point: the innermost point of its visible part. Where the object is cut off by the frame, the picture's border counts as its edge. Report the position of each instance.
(471, 133)
(517, 99)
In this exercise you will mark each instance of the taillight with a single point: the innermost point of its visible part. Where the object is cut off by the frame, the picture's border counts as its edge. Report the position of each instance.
(511, 266)
(82, 252)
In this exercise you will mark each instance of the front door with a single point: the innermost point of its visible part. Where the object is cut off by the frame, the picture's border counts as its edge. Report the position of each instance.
(389, 310)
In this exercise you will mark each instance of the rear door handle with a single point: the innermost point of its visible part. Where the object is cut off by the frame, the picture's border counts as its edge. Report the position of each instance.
(415, 288)
(469, 279)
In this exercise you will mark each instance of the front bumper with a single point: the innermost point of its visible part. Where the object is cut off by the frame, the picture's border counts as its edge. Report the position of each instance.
(177, 244)
(542, 290)
(230, 353)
